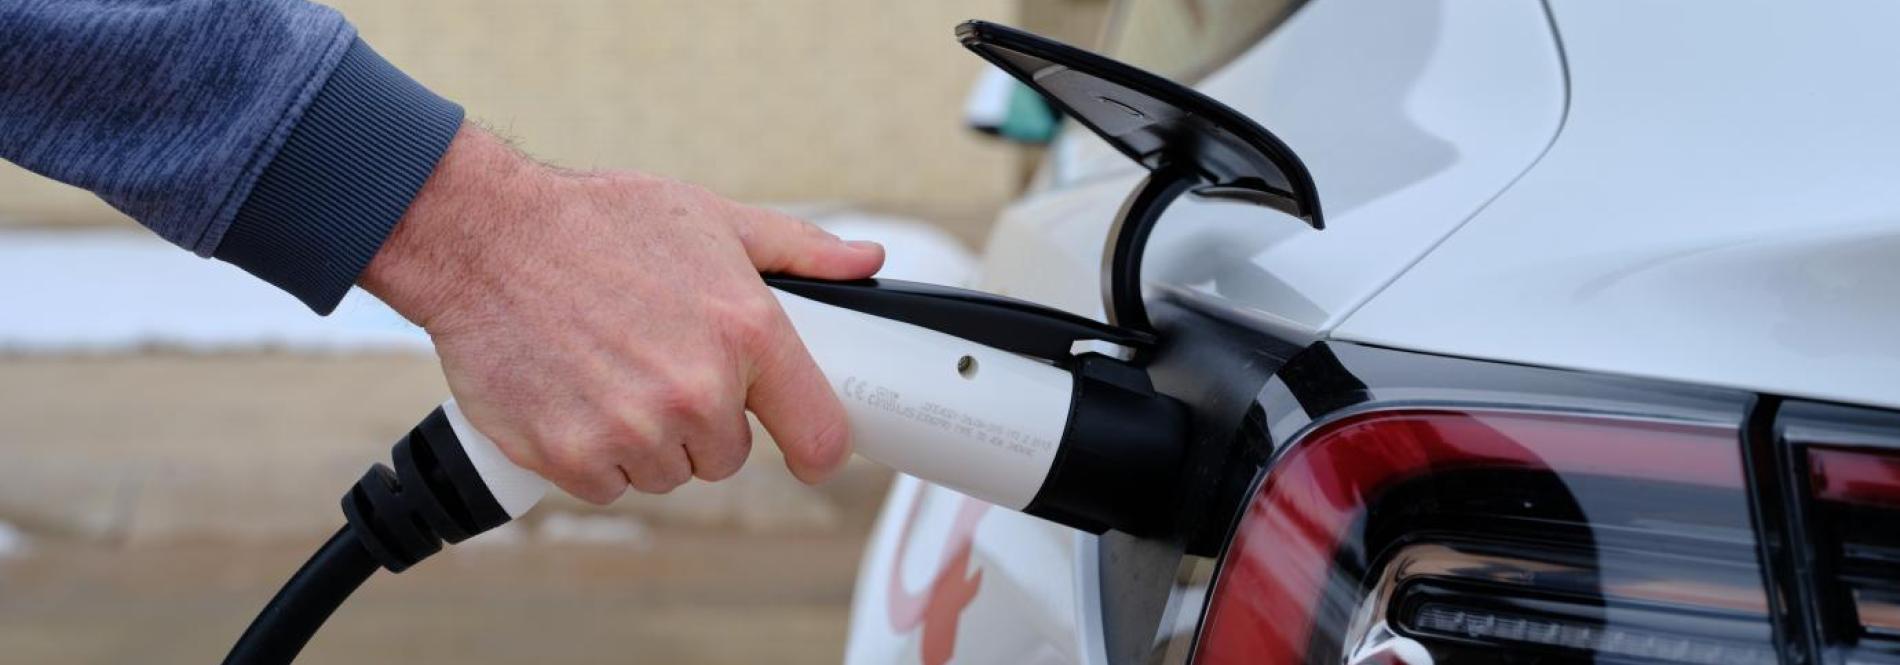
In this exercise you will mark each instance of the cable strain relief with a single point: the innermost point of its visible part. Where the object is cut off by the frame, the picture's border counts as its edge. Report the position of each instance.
(434, 494)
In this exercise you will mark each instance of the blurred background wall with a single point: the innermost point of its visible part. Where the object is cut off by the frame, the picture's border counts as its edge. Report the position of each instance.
(839, 101)
(174, 436)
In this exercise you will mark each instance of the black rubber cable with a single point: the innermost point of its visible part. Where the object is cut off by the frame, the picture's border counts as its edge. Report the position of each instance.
(298, 609)
(397, 517)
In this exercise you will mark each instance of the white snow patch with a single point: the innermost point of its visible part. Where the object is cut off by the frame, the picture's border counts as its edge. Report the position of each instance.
(573, 528)
(121, 290)
(509, 534)
(101, 291)
(13, 541)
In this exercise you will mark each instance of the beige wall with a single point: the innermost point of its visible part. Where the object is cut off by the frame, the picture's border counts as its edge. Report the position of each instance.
(856, 101)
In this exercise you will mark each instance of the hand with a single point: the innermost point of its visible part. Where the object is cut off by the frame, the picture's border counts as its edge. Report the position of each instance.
(611, 329)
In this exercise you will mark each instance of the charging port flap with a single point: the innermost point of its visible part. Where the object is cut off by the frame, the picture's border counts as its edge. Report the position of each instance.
(1189, 143)
(1156, 122)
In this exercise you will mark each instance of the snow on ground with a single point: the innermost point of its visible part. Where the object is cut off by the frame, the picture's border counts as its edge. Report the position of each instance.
(12, 541)
(117, 290)
(623, 530)
(109, 291)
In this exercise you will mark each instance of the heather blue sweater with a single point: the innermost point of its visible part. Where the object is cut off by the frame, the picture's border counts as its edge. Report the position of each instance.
(259, 132)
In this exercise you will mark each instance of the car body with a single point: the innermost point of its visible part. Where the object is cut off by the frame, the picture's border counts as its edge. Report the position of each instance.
(1625, 267)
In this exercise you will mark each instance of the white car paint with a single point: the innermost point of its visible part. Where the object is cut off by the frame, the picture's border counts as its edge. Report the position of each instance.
(1720, 210)
(1410, 116)
(1693, 191)
(997, 588)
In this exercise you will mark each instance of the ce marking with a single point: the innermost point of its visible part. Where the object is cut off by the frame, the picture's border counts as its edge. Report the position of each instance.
(854, 388)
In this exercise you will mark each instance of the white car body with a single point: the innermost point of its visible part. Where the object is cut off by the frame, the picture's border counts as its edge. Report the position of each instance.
(1699, 192)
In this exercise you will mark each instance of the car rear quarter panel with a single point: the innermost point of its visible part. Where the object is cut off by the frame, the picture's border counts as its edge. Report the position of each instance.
(1719, 209)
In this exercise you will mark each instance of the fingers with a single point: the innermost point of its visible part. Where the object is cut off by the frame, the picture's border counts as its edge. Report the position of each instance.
(687, 424)
(598, 464)
(656, 470)
(722, 451)
(796, 405)
(602, 476)
(779, 243)
(579, 473)
(555, 454)
(702, 411)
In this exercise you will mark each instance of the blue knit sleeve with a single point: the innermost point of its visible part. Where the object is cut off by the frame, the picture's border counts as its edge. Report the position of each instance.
(261, 132)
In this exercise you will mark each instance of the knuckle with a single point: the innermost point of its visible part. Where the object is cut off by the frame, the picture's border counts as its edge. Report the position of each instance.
(576, 470)
(832, 436)
(568, 460)
(644, 484)
(654, 487)
(662, 481)
(723, 464)
(551, 436)
(718, 473)
(811, 231)
(829, 440)
(603, 495)
(753, 320)
(676, 475)
(694, 396)
(630, 429)
(742, 443)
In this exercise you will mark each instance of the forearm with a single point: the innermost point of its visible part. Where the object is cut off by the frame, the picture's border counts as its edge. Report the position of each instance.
(439, 251)
(261, 132)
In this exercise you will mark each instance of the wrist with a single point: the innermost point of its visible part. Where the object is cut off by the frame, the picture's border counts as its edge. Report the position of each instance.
(436, 256)
(327, 193)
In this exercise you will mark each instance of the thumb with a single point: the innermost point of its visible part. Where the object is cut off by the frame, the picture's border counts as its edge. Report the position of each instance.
(779, 243)
(794, 402)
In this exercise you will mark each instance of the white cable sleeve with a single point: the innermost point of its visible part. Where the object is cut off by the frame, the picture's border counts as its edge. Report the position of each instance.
(515, 488)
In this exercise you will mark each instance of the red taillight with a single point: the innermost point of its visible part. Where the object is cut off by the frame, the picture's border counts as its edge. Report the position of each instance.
(1855, 476)
(1854, 521)
(1560, 534)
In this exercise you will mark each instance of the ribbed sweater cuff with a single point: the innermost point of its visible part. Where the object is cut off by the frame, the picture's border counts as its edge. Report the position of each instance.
(347, 172)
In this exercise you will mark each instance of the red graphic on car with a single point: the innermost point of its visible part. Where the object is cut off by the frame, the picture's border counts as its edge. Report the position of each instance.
(939, 607)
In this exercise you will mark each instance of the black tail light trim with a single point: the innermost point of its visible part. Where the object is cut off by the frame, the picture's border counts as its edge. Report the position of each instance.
(1846, 550)
(1777, 494)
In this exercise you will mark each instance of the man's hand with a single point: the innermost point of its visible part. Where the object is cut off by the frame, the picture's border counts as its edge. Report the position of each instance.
(611, 329)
